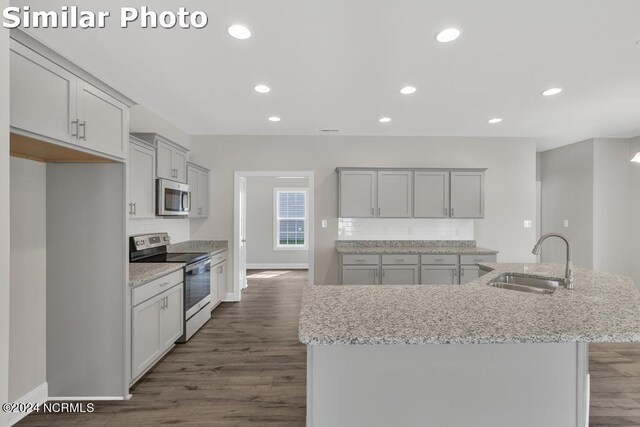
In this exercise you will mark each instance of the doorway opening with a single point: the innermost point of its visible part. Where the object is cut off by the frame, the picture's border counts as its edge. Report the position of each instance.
(273, 223)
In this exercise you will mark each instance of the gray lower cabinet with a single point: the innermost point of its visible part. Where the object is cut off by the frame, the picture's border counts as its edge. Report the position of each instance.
(219, 273)
(469, 273)
(395, 198)
(439, 275)
(467, 194)
(142, 164)
(360, 274)
(156, 322)
(400, 275)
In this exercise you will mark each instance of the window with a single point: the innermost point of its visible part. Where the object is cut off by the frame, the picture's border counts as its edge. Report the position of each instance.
(290, 218)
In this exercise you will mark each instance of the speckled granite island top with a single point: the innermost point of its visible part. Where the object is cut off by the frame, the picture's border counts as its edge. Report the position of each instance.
(211, 246)
(144, 272)
(602, 308)
(435, 247)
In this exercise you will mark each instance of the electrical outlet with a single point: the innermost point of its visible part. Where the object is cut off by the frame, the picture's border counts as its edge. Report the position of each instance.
(566, 223)
(325, 224)
(528, 223)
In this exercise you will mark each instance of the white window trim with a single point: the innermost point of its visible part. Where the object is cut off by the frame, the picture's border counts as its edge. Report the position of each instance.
(276, 246)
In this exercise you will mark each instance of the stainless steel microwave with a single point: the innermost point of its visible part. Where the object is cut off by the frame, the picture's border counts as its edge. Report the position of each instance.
(173, 198)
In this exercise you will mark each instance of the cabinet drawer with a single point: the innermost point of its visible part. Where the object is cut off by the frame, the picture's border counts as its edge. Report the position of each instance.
(400, 259)
(474, 259)
(218, 258)
(153, 288)
(439, 259)
(361, 259)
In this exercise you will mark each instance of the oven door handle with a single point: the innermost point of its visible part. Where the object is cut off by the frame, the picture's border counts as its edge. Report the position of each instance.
(199, 265)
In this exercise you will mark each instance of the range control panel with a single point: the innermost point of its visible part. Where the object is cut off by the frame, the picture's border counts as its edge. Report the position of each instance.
(148, 241)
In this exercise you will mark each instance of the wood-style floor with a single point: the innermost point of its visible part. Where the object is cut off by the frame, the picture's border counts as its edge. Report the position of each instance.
(245, 367)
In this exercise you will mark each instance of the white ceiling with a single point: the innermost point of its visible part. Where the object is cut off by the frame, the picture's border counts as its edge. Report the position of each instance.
(340, 64)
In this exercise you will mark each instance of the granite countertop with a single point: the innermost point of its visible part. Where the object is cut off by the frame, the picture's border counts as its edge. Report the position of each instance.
(436, 247)
(602, 308)
(213, 247)
(144, 272)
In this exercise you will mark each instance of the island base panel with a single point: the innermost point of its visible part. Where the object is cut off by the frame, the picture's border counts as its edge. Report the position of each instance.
(453, 385)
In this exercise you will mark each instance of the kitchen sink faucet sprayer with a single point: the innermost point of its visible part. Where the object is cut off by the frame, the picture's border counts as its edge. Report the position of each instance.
(568, 273)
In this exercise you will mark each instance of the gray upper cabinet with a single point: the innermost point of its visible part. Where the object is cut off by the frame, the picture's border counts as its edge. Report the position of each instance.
(49, 102)
(395, 199)
(142, 164)
(198, 180)
(43, 97)
(103, 122)
(431, 194)
(358, 194)
(171, 158)
(418, 193)
(467, 194)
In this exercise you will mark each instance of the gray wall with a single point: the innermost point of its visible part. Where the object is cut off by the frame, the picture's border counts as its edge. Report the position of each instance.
(634, 212)
(260, 222)
(4, 216)
(510, 181)
(27, 340)
(592, 184)
(567, 193)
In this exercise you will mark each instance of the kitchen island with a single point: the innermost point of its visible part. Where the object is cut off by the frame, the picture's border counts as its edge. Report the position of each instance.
(376, 355)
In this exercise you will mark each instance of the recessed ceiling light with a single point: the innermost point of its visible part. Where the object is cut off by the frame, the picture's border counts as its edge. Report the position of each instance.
(408, 90)
(384, 119)
(274, 119)
(495, 120)
(262, 89)
(552, 91)
(448, 35)
(239, 32)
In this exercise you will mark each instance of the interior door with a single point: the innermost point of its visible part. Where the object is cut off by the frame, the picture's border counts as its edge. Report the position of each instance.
(242, 229)
(395, 194)
(467, 194)
(431, 195)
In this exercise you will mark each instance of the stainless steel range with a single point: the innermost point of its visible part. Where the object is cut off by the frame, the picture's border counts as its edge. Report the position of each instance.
(197, 277)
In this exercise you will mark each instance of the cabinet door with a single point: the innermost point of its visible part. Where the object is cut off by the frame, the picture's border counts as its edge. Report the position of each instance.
(163, 161)
(171, 317)
(142, 163)
(179, 164)
(43, 95)
(399, 275)
(193, 181)
(358, 191)
(215, 286)
(469, 273)
(103, 121)
(439, 275)
(431, 195)
(467, 194)
(360, 275)
(395, 195)
(222, 281)
(145, 336)
(203, 194)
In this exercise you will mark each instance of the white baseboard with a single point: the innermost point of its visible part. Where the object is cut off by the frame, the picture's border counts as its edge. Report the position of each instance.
(38, 396)
(278, 266)
(86, 398)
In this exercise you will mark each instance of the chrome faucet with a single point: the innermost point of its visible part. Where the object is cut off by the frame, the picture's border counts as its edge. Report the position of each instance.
(568, 272)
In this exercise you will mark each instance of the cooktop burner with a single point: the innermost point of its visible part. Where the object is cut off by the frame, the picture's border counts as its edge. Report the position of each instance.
(175, 257)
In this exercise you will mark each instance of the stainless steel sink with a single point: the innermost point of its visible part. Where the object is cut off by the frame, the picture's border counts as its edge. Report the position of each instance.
(517, 282)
